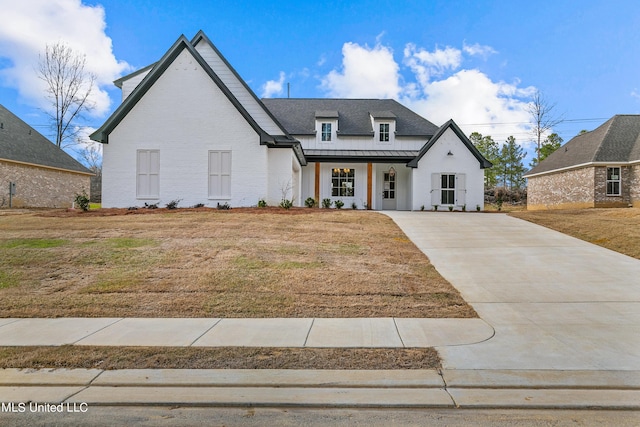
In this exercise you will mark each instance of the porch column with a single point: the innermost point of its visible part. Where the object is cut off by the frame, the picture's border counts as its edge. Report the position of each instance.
(317, 183)
(369, 183)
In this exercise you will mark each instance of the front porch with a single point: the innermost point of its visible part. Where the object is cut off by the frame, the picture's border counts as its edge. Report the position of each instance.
(370, 185)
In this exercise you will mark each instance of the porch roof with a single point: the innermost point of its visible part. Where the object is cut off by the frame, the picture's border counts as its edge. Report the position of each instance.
(374, 156)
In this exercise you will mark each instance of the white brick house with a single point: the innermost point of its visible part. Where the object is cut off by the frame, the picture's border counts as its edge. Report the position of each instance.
(190, 128)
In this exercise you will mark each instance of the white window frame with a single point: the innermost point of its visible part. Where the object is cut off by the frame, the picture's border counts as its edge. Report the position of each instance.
(220, 166)
(459, 190)
(613, 179)
(148, 174)
(449, 187)
(326, 131)
(384, 132)
(343, 182)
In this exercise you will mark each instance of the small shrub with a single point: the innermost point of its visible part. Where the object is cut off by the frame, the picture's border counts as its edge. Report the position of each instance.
(286, 204)
(464, 208)
(354, 206)
(132, 208)
(173, 204)
(422, 207)
(338, 204)
(310, 202)
(450, 208)
(477, 208)
(82, 201)
(435, 207)
(262, 203)
(151, 206)
(326, 203)
(223, 207)
(199, 205)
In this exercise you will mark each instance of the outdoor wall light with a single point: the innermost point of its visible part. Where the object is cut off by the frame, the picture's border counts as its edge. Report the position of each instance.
(392, 171)
(449, 153)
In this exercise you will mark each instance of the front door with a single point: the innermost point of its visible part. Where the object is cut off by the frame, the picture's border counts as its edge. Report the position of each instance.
(389, 190)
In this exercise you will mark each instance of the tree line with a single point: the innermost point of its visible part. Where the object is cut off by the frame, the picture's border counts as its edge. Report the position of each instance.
(508, 167)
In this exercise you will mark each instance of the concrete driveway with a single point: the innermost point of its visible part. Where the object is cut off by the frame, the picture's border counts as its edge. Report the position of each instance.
(554, 301)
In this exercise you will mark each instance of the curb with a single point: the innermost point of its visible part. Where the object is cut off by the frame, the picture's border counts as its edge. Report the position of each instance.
(314, 388)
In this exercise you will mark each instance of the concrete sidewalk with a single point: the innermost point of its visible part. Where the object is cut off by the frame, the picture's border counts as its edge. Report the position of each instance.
(204, 332)
(86, 388)
(555, 302)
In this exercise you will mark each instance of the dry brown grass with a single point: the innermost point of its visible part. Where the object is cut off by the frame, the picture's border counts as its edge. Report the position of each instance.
(216, 358)
(615, 229)
(209, 263)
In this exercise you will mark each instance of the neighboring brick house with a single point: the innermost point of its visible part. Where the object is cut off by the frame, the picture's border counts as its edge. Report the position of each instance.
(45, 176)
(600, 168)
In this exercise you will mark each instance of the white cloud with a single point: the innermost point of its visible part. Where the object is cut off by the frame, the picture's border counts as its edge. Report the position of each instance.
(478, 50)
(435, 86)
(28, 26)
(366, 73)
(273, 87)
(476, 103)
(426, 64)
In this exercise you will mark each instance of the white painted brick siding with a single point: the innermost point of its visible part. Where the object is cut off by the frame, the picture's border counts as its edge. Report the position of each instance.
(184, 115)
(436, 160)
(238, 89)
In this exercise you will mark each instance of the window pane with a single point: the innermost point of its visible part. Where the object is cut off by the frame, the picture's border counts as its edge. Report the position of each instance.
(326, 131)
(613, 188)
(452, 181)
(443, 181)
(613, 173)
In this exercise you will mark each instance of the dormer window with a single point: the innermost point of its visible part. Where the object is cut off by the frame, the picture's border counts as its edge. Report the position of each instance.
(326, 132)
(383, 124)
(384, 132)
(327, 126)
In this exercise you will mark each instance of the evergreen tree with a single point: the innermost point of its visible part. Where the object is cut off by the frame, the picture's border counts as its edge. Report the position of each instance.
(490, 150)
(548, 146)
(511, 166)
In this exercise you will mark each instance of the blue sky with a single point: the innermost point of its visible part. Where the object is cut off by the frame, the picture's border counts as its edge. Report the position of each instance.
(477, 62)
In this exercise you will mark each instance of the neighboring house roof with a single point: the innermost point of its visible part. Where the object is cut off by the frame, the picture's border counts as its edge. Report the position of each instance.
(615, 141)
(19, 142)
(298, 115)
(484, 163)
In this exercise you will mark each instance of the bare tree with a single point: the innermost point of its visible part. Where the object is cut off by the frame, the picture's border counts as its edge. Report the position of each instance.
(543, 118)
(68, 88)
(90, 155)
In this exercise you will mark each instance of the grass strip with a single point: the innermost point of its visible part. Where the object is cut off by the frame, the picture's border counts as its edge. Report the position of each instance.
(89, 357)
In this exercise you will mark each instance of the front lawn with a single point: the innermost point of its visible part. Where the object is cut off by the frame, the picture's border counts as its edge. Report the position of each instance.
(210, 263)
(615, 229)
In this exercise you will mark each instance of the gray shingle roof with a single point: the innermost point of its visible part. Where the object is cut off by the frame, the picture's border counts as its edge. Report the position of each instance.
(21, 143)
(616, 140)
(298, 115)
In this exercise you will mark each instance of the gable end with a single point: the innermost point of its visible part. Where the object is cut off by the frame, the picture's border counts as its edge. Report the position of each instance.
(102, 134)
(484, 163)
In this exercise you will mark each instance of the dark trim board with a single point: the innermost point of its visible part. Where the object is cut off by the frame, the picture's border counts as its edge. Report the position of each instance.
(360, 156)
